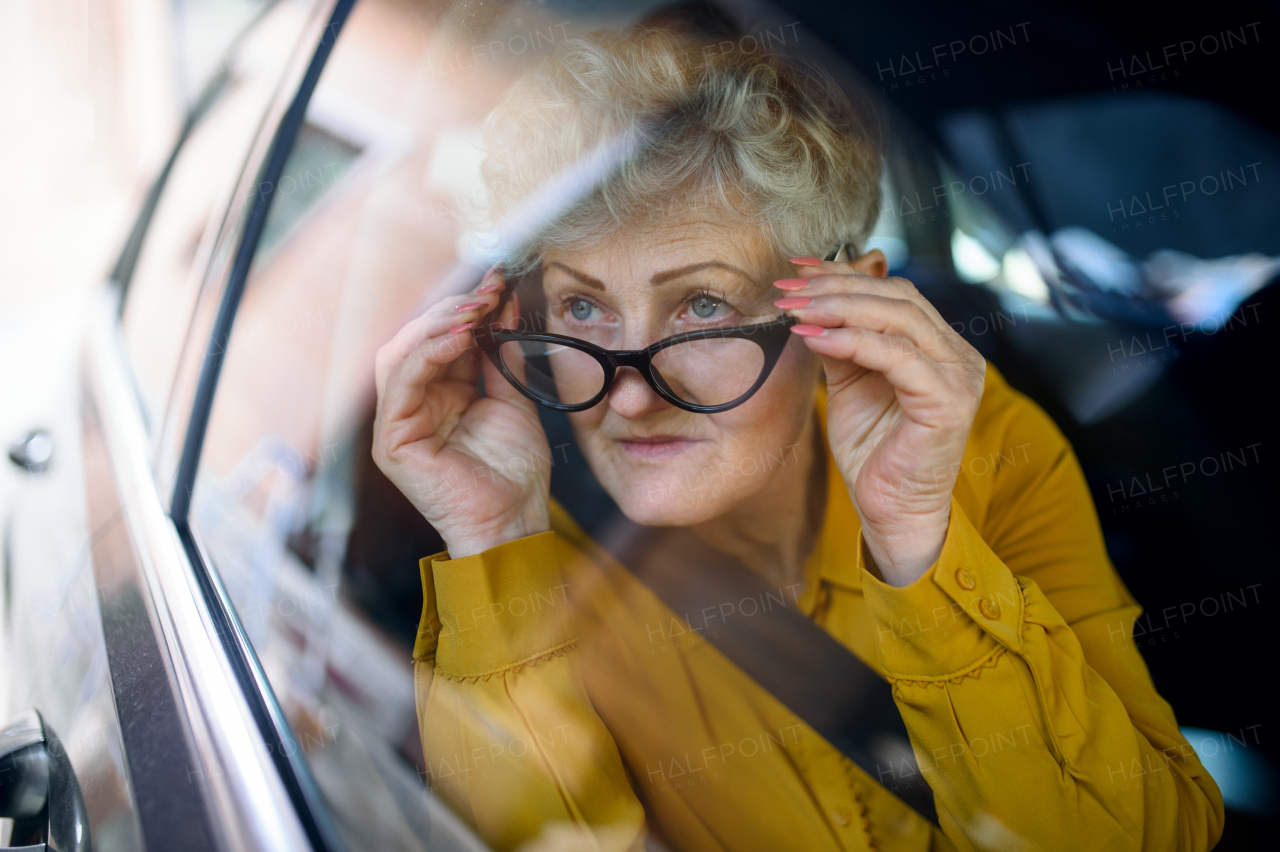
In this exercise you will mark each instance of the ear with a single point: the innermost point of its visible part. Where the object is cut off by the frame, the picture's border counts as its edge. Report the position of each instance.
(873, 263)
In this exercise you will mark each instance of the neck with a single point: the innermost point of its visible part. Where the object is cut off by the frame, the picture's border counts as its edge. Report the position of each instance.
(773, 531)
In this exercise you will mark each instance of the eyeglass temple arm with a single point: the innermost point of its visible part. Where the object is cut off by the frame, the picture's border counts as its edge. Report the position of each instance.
(842, 254)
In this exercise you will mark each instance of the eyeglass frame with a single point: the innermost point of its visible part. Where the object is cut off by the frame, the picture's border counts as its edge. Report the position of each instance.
(771, 337)
(776, 335)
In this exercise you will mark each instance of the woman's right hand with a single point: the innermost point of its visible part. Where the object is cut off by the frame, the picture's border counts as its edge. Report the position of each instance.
(476, 466)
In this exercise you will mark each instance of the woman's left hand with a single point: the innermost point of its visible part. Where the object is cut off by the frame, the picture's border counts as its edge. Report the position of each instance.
(902, 391)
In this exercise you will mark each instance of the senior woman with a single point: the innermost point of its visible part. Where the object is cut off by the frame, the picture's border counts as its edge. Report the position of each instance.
(550, 711)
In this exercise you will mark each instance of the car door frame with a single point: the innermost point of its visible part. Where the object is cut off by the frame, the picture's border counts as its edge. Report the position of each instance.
(211, 760)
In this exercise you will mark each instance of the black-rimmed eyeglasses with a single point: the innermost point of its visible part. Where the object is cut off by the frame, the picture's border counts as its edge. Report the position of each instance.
(701, 371)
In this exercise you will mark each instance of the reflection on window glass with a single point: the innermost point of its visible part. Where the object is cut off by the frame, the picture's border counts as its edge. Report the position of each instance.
(669, 173)
(317, 162)
(180, 237)
(318, 550)
(204, 29)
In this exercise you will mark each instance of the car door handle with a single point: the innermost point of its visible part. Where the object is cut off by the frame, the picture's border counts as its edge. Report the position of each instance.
(33, 451)
(39, 790)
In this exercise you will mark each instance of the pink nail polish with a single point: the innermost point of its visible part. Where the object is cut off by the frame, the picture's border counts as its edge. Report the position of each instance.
(806, 261)
(807, 330)
(490, 288)
(792, 283)
(792, 302)
(469, 306)
(466, 326)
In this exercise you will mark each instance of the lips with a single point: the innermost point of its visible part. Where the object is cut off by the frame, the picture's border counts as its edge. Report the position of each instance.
(656, 446)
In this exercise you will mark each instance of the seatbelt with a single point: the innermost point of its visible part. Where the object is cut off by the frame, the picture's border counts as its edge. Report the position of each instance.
(821, 681)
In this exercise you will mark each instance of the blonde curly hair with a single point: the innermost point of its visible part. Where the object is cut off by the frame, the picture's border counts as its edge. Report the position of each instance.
(721, 134)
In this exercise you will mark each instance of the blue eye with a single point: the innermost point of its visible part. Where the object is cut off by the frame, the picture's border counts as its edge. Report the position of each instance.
(704, 307)
(580, 308)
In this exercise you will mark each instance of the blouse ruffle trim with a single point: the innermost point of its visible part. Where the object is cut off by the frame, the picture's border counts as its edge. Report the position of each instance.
(973, 671)
(558, 651)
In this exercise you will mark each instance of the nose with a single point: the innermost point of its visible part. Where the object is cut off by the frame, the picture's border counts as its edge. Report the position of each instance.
(632, 397)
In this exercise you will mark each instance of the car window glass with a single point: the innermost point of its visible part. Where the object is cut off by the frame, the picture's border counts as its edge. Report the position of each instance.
(203, 29)
(317, 548)
(179, 241)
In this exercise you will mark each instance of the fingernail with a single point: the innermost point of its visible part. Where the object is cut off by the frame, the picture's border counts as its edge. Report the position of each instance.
(470, 306)
(458, 329)
(808, 330)
(793, 302)
(792, 283)
(489, 288)
(806, 261)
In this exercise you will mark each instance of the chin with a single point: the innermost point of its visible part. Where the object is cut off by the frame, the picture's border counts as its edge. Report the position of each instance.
(654, 505)
(668, 493)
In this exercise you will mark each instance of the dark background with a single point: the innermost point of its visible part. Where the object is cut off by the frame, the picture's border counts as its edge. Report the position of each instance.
(1090, 142)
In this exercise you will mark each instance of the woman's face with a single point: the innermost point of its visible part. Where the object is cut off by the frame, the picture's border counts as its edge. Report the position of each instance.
(661, 464)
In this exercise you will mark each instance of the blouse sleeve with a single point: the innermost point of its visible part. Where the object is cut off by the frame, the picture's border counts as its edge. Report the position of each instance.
(510, 737)
(1031, 712)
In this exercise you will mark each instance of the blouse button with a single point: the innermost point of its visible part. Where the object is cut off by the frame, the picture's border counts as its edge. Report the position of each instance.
(989, 609)
(965, 578)
(843, 816)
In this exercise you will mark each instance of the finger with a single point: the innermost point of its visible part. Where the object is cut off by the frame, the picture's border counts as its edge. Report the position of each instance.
(871, 262)
(467, 367)
(819, 265)
(409, 373)
(470, 367)
(905, 365)
(897, 317)
(491, 287)
(493, 280)
(409, 342)
(482, 298)
(812, 267)
(439, 319)
(444, 316)
(854, 282)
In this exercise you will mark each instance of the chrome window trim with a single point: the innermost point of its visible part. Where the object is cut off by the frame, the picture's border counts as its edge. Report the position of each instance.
(269, 175)
(290, 789)
(299, 785)
(269, 715)
(248, 803)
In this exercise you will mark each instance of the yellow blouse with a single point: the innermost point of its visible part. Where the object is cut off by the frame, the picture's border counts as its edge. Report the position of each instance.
(563, 706)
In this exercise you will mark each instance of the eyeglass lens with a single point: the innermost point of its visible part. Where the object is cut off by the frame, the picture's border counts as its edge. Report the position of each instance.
(554, 372)
(710, 372)
(701, 372)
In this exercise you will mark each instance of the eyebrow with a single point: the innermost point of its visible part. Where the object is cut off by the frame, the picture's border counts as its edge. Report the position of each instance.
(581, 276)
